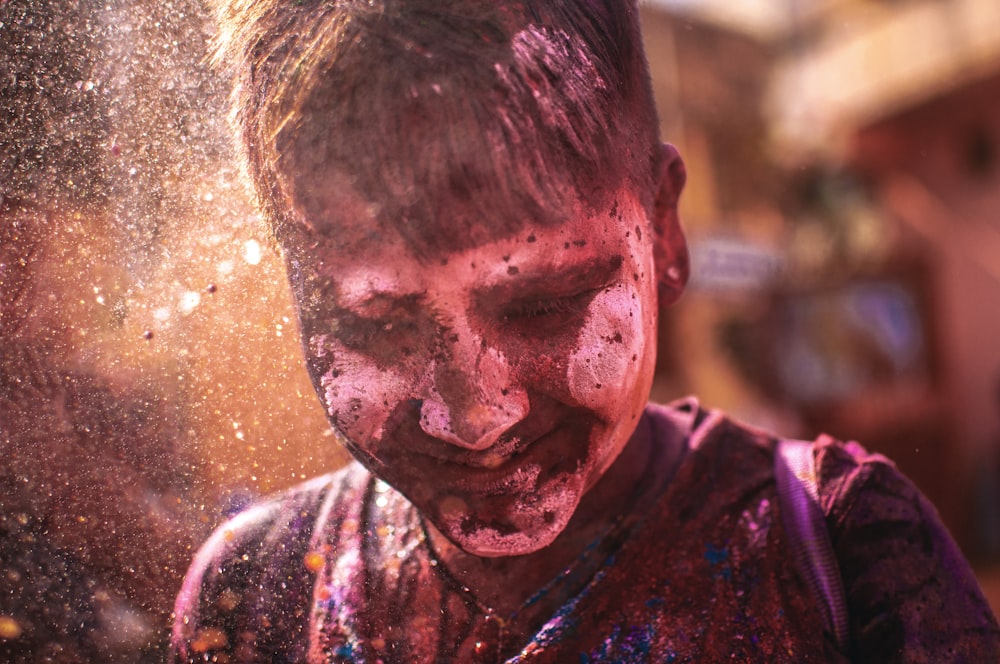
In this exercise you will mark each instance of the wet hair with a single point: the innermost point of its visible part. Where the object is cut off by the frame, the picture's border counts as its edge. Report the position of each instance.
(451, 121)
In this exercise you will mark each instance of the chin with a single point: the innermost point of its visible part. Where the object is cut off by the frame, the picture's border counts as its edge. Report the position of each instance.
(521, 528)
(487, 542)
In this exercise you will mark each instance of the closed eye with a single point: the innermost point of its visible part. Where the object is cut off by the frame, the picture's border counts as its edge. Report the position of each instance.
(381, 338)
(357, 332)
(550, 311)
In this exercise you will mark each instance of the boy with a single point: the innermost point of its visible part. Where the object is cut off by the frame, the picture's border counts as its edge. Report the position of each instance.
(479, 224)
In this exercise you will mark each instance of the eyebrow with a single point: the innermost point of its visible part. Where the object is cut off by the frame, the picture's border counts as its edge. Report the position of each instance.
(589, 273)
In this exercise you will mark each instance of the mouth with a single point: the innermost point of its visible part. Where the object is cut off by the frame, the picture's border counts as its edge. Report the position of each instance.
(551, 442)
(432, 453)
(510, 467)
(497, 455)
(518, 480)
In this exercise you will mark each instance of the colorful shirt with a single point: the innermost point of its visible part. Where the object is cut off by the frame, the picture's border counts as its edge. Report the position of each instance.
(341, 569)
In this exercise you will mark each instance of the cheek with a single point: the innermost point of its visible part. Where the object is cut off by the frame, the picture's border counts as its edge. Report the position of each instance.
(358, 395)
(608, 356)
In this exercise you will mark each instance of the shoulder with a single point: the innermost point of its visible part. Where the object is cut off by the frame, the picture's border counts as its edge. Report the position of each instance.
(712, 440)
(911, 594)
(724, 467)
(282, 522)
(706, 428)
(860, 491)
(252, 577)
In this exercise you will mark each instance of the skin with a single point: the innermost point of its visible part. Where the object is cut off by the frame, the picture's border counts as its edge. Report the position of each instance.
(496, 386)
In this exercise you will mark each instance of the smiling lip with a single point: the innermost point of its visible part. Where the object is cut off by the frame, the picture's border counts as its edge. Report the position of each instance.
(501, 468)
(439, 453)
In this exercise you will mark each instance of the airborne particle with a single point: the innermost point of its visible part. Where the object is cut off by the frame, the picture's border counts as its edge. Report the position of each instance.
(189, 301)
(209, 639)
(313, 561)
(9, 628)
(251, 252)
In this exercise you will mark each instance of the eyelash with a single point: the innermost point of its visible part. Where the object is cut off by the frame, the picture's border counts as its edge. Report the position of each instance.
(361, 333)
(568, 306)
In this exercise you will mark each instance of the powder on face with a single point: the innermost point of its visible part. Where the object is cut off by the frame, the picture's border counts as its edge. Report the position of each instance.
(494, 385)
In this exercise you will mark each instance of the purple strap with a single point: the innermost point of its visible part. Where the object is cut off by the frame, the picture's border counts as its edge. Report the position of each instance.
(809, 540)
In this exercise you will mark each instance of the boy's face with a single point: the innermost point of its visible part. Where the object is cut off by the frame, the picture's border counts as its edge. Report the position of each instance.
(491, 386)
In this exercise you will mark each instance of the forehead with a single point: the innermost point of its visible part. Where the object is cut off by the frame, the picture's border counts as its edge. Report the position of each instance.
(365, 253)
(332, 218)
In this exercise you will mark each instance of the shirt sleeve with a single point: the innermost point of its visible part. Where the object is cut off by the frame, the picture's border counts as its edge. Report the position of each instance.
(247, 594)
(911, 595)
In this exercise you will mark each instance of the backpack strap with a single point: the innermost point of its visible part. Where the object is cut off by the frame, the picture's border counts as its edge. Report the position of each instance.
(809, 540)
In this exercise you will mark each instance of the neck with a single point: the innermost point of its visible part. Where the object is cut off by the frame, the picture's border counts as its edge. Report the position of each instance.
(502, 585)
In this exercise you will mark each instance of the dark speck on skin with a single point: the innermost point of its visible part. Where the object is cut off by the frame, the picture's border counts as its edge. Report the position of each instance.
(566, 245)
(512, 270)
(580, 243)
(638, 233)
(531, 238)
(506, 258)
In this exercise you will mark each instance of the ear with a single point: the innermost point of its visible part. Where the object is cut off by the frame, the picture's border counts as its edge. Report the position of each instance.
(670, 252)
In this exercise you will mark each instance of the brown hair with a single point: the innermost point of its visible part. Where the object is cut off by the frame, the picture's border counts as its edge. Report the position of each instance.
(495, 109)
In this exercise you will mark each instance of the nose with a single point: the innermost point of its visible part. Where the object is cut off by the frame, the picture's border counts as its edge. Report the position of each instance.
(472, 402)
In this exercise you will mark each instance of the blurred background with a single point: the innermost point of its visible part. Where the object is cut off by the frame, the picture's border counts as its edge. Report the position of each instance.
(843, 210)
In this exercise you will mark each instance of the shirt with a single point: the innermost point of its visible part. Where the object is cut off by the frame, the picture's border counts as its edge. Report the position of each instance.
(341, 569)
